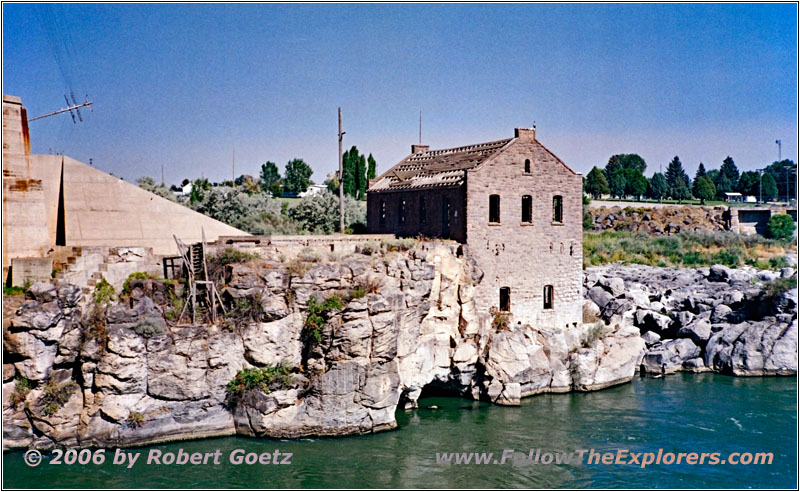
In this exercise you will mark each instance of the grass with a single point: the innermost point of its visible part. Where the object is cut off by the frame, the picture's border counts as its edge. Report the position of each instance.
(318, 314)
(126, 287)
(135, 420)
(499, 319)
(21, 390)
(56, 395)
(774, 289)
(13, 291)
(103, 292)
(685, 249)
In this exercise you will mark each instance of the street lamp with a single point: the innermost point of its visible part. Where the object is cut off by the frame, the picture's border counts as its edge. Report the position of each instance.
(779, 149)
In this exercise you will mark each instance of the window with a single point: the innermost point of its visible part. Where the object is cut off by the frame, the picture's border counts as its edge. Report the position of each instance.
(558, 214)
(505, 299)
(527, 209)
(527, 166)
(494, 208)
(571, 249)
(383, 212)
(548, 297)
(402, 211)
(422, 212)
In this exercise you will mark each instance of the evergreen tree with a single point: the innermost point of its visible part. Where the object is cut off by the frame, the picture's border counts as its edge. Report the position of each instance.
(350, 168)
(785, 175)
(748, 183)
(701, 171)
(371, 167)
(657, 187)
(723, 185)
(704, 189)
(361, 178)
(675, 177)
(596, 183)
(730, 170)
(769, 190)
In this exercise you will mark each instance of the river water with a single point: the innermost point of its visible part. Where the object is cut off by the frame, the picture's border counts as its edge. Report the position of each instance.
(702, 413)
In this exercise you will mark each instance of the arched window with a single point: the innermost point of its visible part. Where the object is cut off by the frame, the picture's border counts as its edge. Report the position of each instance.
(494, 208)
(383, 212)
(505, 299)
(422, 211)
(558, 212)
(527, 166)
(527, 209)
(548, 296)
(402, 211)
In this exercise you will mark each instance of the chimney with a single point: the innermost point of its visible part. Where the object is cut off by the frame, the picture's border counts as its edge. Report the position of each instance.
(525, 134)
(416, 149)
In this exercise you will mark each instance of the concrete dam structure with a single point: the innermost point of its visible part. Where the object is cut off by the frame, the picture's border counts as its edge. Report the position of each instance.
(50, 201)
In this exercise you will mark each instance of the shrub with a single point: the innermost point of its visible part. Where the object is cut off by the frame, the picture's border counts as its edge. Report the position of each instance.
(403, 244)
(56, 395)
(232, 255)
(265, 379)
(94, 323)
(309, 255)
(369, 248)
(103, 292)
(357, 293)
(731, 257)
(148, 327)
(135, 420)
(21, 390)
(780, 226)
(126, 286)
(775, 289)
(778, 262)
(596, 332)
(319, 213)
(246, 310)
(499, 319)
(318, 314)
(370, 284)
(588, 315)
(176, 304)
(298, 268)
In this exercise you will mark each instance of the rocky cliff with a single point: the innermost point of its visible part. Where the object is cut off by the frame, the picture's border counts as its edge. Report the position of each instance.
(334, 347)
(658, 220)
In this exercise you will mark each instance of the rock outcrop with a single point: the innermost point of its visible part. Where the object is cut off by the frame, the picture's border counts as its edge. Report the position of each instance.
(707, 319)
(394, 324)
(407, 322)
(658, 220)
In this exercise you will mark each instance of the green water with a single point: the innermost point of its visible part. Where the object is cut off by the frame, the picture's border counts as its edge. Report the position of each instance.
(679, 413)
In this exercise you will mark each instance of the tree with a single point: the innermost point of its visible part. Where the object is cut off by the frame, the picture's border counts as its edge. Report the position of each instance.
(785, 175)
(372, 167)
(675, 177)
(269, 176)
(701, 171)
(769, 190)
(319, 213)
(297, 176)
(617, 183)
(657, 187)
(780, 226)
(730, 170)
(361, 178)
(704, 189)
(635, 182)
(681, 191)
(596, 183)
(723, 185)
(350, 169)
(332, 182)
(748, 183)
(632, 161)
(611, 167)
(199, 187)
(149, 184)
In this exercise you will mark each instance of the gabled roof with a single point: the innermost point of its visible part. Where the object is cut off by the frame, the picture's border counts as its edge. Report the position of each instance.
(436, 168)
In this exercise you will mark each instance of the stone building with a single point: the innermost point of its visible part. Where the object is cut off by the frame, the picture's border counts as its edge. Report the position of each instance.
(515, 206)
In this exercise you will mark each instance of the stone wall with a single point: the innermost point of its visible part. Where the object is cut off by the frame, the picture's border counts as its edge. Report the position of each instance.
(522, 256)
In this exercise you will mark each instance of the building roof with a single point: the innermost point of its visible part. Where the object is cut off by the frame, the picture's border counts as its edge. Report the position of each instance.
(443, 168)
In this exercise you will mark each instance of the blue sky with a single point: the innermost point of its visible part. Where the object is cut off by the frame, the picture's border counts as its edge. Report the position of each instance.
(184, 85)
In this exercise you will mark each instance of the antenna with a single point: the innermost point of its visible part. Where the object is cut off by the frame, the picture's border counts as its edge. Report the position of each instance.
(69, 108)
(233, 167)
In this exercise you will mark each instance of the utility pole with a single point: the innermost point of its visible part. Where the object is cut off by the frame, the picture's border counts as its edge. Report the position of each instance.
(233, 167)
(779, 149)
(341, 177)
(760, 172)
(162, 175)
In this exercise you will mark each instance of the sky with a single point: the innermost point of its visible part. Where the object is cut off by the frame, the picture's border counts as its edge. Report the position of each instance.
(201, 88)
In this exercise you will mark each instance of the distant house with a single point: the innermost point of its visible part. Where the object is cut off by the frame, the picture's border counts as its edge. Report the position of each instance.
(313, 190)
(185, 190)
(515, 207)
(733, 197)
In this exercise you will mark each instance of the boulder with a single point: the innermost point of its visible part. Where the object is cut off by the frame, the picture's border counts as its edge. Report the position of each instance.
(669, 356)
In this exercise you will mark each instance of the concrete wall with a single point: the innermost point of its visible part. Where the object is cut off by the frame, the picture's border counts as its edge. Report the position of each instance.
(434, 223)
(526, 257)
(752, 220)
(99, 209)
